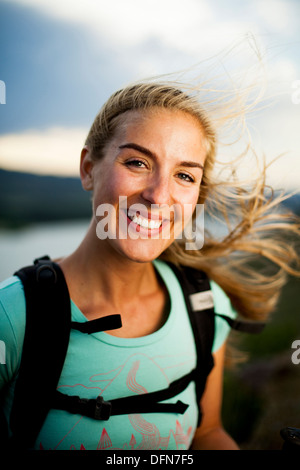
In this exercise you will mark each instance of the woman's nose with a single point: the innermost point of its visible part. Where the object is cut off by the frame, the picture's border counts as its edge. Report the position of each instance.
(158, 190)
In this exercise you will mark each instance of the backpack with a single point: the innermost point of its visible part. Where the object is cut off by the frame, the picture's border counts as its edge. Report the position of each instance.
(46, 292)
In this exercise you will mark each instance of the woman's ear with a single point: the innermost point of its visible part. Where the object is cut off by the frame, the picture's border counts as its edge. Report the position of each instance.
(86, 169)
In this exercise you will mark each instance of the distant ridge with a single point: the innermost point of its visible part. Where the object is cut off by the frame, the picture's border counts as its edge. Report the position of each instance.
(293, 203)
(27, 198)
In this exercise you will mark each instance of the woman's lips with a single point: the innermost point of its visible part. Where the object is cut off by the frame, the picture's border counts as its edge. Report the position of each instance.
(152, 224)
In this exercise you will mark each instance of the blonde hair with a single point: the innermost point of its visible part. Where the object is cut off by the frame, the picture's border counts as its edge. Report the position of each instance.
(259, 229)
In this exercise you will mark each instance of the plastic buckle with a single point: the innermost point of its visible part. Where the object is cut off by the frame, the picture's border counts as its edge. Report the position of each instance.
(45, 272)
(102, 409)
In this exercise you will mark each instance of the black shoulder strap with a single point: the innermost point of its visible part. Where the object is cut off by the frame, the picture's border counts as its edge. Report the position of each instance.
(46, 340)
(48, 317)
(200, 305)
(198, 297)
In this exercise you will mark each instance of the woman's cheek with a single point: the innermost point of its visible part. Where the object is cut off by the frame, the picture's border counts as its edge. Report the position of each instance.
(188, 199)
(185, 209)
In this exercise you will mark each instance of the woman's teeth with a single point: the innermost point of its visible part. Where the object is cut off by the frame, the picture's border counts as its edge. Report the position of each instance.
(146, 223)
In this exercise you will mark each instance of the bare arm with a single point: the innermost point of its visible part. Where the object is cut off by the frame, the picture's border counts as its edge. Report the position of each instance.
(210, 435)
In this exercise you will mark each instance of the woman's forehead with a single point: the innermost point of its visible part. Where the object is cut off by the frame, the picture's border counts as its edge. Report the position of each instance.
(136, 119)
(162, 132)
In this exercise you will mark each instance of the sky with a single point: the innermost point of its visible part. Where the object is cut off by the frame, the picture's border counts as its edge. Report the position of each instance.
(60, 60)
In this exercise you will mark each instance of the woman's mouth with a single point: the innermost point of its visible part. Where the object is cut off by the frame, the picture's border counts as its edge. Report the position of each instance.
(139, 220)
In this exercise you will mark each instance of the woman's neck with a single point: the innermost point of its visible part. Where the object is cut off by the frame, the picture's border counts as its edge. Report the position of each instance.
(95, 273)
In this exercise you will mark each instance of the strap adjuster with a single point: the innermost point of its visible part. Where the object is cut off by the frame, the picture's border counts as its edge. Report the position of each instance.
(95, 408)
(102, 409)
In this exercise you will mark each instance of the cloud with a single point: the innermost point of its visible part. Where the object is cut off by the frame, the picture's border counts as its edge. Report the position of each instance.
(152, 36)
(277, 14)
(54, 151)
(133, 21)
(124, 40)
(195, 27)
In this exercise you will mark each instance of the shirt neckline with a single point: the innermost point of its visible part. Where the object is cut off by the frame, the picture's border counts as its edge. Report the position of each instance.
(170, 281)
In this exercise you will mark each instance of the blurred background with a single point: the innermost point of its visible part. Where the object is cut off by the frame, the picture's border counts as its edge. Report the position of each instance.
(61, 59)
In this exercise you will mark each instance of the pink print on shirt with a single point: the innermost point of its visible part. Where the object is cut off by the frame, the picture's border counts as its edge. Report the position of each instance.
(145, 435)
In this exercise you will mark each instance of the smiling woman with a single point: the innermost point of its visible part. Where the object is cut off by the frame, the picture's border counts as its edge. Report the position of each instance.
(144, 163)
(149, 162)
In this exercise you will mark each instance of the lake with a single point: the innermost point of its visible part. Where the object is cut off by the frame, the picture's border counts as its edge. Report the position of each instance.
(20, 247)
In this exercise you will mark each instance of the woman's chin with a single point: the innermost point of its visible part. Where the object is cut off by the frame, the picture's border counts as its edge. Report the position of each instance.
(141, 251)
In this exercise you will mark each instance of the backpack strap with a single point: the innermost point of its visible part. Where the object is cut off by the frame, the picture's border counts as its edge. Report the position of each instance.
(199, 302)
(46, 340)
(200, 305)
(100, 409)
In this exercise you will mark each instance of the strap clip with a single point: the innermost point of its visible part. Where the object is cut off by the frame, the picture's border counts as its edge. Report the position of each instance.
(95, 408)
(45, 271)
(102, 409)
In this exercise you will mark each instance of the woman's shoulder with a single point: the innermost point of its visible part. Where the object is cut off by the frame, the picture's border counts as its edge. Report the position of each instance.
(12, 314)
(12, 295)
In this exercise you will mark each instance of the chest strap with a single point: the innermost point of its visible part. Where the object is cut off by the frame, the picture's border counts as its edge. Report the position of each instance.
(99, 409)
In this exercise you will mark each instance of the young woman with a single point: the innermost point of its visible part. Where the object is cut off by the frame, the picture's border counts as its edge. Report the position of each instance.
(148, 161)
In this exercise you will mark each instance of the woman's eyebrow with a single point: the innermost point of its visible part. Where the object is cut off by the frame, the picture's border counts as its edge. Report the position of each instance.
(150, 154)
(139, 148)
(191, 164)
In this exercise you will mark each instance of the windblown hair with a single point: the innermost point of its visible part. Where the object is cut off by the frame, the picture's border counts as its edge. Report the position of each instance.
(251, 261)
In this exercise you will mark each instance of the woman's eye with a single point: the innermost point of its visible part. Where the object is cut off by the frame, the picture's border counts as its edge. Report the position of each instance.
(135, 163)
(186, 177)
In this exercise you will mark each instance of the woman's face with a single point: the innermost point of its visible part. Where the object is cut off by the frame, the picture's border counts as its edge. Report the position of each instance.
(146, 186)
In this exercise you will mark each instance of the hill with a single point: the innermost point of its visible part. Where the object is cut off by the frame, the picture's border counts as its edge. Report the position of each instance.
(28, 198)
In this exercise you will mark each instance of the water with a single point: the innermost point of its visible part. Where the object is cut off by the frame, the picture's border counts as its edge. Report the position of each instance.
(20, 247)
